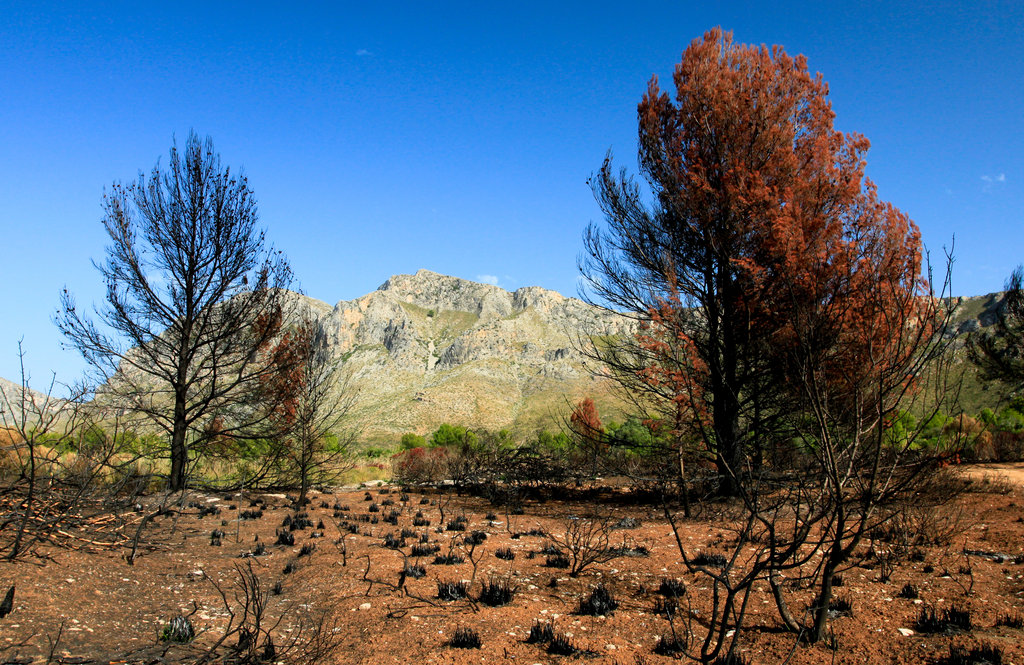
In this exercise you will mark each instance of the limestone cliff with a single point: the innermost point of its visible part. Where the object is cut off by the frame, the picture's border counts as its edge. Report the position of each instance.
(427, 348)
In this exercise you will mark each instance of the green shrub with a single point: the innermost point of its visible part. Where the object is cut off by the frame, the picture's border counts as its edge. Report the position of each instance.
(412, 440)
(333, 444)
(901, 429)
(932, 429)
(1010, 420)
(634, 436)
(453, 435)
(552, 442)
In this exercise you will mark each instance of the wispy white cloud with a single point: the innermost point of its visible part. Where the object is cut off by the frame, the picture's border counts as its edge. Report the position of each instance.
(487, 279)
(362, 53)
(992, 181)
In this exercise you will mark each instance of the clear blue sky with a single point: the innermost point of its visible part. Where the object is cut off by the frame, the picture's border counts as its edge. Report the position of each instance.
(382, 138)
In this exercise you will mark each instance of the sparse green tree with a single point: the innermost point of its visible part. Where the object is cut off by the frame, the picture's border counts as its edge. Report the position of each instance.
(453, 435)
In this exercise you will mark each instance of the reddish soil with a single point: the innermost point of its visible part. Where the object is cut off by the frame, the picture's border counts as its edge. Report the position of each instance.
(112, 612)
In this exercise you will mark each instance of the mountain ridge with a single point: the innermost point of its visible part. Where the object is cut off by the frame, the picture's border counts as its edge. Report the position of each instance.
(427, 348)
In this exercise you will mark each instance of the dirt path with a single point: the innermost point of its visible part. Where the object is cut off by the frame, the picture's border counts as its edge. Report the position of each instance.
(1012, 472)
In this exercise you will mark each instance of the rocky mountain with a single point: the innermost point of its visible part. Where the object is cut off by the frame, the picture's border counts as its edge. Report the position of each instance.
(976, 312)
(13, 399)
(425, 349)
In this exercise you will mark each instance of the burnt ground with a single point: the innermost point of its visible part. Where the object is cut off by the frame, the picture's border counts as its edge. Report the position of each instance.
(89, 605)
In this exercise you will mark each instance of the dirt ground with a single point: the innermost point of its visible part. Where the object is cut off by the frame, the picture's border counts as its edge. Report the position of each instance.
(89, 605)
(1009, 472)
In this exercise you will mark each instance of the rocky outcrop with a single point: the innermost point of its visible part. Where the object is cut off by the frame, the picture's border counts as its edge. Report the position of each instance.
(974, 313)
(16, 400)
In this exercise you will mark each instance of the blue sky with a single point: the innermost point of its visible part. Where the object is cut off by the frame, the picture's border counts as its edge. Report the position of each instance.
(458, 137)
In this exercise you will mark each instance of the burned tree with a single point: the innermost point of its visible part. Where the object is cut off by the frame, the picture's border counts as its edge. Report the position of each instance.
(313, 397)
(783, 321)
(193, 294)
(746, 171)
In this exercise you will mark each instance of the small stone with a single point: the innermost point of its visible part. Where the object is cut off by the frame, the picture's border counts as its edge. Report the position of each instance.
(365, 606)
(905, 632)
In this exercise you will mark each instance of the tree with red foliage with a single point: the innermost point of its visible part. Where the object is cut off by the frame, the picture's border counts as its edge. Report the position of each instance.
(421, 465)
(752, 186)
(860, 337)
(586, 425)
(777, 300)
(309, 397)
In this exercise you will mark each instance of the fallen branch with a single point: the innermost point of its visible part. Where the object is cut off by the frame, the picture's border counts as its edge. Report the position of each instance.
(162, 510)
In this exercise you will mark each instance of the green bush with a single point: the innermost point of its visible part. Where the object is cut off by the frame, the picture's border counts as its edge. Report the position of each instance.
(1010, 420)
(552, 442)
(333, 444)
(932, 429)
(411, 440)
(632, 435)
(987, 416)
(902, 427)
(453, 435)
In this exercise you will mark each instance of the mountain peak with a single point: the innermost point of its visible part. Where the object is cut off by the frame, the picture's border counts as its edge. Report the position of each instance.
(428, 279)
(443, 292)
